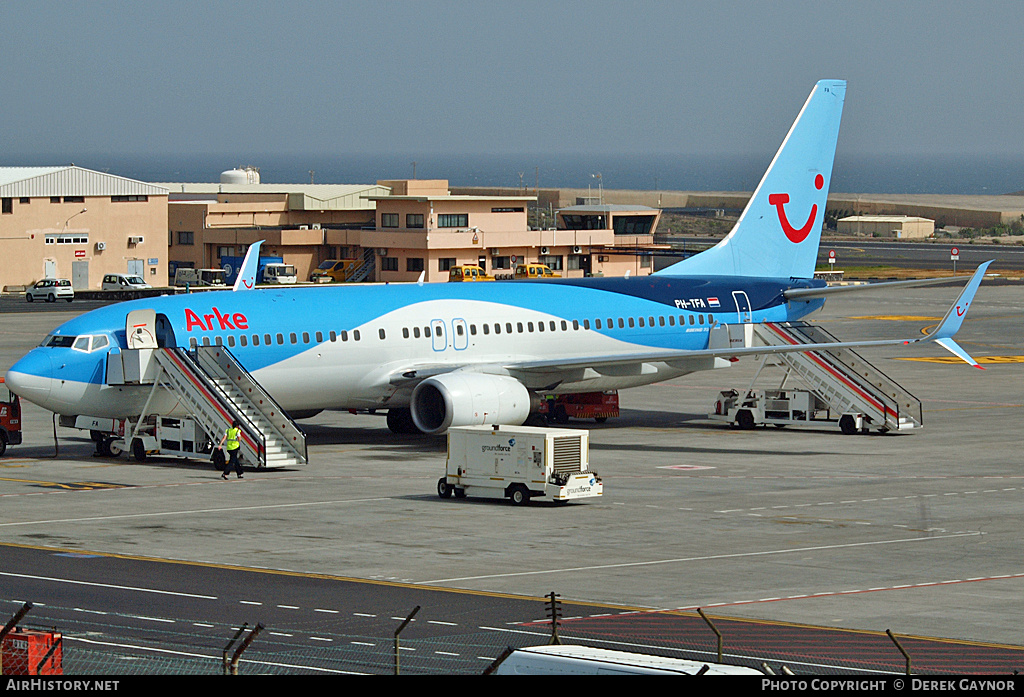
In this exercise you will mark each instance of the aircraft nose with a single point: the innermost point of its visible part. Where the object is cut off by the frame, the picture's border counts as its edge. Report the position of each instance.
(31, 377)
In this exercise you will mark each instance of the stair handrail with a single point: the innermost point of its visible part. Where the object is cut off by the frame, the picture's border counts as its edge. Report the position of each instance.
(283, 422)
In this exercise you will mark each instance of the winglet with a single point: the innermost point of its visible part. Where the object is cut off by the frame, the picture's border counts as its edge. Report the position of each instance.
(950, 324)
(247, 274)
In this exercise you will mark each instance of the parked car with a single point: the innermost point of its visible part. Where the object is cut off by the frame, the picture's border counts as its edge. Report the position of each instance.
(123, 281)
(526, 271)
(51, 290)
(467, 272)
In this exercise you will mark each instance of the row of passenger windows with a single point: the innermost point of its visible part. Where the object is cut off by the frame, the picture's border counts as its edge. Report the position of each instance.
(495, 328)
(553, 326)
(269, 339)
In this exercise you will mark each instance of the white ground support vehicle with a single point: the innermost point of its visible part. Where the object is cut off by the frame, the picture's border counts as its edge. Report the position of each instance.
(519, 463)
(780, 408)
(161, 435)
(565, 659)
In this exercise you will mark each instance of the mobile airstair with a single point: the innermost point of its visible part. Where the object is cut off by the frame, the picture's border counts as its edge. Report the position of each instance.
(210, 385)
(843, 386)
(217, 390)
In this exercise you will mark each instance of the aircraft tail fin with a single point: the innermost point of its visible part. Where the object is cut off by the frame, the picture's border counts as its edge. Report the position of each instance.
(778, 233)
(247, 274)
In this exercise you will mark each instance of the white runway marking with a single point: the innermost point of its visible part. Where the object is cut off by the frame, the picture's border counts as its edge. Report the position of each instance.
(681, 560)
(190, 512)
(108, 585)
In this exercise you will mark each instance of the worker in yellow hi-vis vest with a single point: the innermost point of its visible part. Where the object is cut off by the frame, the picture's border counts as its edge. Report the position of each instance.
(231, 443)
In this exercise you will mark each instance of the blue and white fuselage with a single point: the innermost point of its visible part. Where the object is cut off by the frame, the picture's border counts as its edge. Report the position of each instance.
(342, 347)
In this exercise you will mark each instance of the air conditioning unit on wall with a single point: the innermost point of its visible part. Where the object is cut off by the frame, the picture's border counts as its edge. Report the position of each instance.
(100, 246)
(577, 250)
(543, 250)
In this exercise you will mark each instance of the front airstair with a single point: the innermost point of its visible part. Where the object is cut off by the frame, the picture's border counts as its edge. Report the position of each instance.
(218, 390)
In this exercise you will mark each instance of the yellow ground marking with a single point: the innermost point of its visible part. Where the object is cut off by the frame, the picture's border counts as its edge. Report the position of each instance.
(899, 318)
(76, 486)
(982, 360)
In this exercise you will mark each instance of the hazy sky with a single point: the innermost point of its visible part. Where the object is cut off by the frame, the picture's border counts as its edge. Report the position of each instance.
(504, 77)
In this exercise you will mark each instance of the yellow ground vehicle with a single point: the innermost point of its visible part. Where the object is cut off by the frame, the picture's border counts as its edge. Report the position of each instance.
(335, 271)
(524, 271)
(467, 272)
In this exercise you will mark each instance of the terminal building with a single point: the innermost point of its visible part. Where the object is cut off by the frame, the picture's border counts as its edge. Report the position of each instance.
(75, 223)
(70, 222)
(397, 230)
(305, 224)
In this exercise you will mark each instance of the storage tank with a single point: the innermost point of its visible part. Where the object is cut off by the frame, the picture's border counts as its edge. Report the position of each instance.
(240, 175)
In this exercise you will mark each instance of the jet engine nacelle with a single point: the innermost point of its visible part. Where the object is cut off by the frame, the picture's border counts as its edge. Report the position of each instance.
(468, 399)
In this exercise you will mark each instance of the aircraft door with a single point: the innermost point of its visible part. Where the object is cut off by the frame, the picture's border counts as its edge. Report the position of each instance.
(140, 329)
(743, 313)
(438, 335)
(460, 334)
(165, 332)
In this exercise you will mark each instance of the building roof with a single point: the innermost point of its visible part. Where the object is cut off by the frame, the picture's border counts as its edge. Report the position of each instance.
(70, 180)
(451, 197)
(606, 208)
(884, 219)
(318, 197)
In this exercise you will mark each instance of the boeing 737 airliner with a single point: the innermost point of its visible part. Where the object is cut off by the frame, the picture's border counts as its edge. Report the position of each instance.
(442, 355)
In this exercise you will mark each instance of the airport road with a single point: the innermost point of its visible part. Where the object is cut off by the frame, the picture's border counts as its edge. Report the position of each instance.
(1009, 257)
(917, 532)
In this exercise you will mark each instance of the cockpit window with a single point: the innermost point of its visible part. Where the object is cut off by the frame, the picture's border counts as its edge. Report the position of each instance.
(57, 341)
(86, 343)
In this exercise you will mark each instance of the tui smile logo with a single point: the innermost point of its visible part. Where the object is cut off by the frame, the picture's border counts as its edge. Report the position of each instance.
(795, 235)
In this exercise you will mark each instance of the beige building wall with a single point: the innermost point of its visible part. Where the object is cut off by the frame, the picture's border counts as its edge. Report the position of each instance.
(201, 230)
(425, 229)
(892, 226)
(82, 239)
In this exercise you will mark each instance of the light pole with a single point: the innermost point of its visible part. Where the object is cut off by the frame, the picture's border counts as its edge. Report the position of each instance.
(69, 220)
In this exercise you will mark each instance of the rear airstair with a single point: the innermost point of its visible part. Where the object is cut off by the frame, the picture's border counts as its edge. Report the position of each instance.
(844, 385)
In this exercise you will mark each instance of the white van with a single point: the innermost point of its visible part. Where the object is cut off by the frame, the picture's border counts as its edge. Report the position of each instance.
(123, 281)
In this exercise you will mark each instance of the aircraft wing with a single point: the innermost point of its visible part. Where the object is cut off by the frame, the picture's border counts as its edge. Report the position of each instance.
(548, 373)
(808, 293)
(942, 335)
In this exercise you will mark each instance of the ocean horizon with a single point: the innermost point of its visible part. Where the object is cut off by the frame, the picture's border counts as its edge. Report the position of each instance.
(889, 174)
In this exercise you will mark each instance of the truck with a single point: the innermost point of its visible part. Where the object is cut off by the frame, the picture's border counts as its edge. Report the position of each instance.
(198, 277)
(10, 420)
(519, 463)
(599, 406)
(269, 270)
